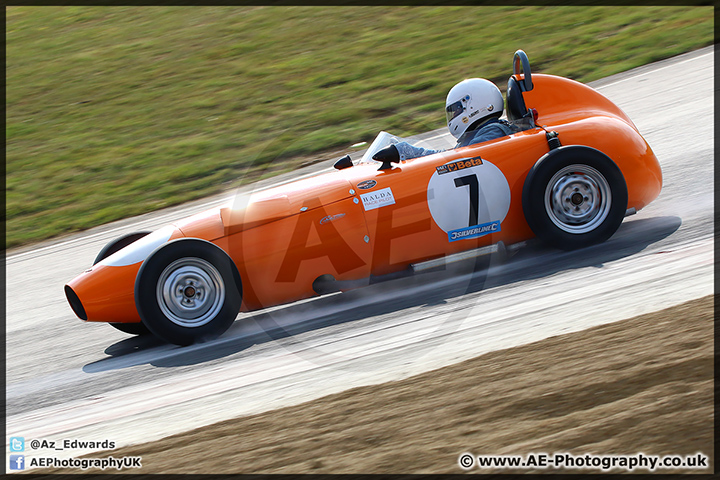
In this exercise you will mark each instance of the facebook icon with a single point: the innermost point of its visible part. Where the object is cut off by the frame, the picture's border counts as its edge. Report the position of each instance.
(17, 462)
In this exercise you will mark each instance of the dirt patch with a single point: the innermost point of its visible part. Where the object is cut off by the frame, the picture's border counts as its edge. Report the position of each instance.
(639, 385)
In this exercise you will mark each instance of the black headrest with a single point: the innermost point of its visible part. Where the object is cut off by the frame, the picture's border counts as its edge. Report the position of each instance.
(515, 102)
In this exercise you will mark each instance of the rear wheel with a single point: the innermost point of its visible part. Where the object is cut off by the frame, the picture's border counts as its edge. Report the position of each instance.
(188, 291)
(109, 249)
(574, 196)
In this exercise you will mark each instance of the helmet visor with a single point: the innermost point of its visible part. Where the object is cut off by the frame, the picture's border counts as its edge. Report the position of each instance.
(453, 110)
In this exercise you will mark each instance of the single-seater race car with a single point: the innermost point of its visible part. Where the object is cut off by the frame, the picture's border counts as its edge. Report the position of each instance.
(575, 168)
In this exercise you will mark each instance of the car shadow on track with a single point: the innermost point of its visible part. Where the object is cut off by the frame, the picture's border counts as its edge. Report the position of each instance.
(417, 291)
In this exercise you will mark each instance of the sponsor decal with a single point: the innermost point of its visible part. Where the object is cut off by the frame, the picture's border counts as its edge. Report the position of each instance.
(459, 165)
(474, 232)
(330, 218)
(465, 119)
(377, 199)
(366, 184)
(471, 197)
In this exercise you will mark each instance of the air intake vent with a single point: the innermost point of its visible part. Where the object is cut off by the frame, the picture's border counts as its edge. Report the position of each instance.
(75, 303)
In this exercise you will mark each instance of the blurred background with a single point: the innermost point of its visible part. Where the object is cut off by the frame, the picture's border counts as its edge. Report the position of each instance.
(116, 111)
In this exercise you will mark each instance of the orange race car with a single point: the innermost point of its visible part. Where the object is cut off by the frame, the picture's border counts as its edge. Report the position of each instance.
(576, 167)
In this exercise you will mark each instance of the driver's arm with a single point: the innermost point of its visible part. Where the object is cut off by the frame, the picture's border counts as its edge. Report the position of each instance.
(408, 151)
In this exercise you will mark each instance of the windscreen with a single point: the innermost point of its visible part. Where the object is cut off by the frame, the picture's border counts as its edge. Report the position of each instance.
(381, 141)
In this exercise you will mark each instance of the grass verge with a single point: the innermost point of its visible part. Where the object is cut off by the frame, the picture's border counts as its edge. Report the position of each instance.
(116, 111)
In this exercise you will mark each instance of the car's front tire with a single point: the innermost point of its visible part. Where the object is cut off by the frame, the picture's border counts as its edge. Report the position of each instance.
(188, 291)
(574, 196)
(132, 328)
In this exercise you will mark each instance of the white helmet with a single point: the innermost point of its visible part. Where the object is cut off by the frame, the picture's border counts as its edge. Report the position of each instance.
(472, 100)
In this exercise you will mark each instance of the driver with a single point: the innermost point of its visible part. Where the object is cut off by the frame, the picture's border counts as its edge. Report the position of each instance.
(473, 108)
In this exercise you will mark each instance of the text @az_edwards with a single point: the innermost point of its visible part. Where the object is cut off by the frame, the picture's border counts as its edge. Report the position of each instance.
(68, 444)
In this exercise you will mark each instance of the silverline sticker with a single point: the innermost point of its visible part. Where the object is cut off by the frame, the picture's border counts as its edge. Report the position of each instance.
(474, 231)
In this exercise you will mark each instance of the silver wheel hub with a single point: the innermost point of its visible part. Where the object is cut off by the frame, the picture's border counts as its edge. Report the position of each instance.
(190, 292)
(578, 199)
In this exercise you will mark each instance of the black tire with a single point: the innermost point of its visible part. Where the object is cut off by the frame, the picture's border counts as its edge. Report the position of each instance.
(574, 196)
(109, 249)
(188, 291)
(119, 244)
(132, 328)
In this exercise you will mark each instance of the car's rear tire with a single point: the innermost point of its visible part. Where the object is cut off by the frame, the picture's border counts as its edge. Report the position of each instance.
(188, 291)
(112, 247)
(574, 196)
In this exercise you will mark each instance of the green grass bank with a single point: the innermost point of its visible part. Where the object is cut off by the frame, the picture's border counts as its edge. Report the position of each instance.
(117, 111)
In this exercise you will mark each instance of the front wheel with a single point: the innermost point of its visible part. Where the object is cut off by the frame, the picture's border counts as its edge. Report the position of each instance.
(188, 291)
(132, 328)
(574, 196)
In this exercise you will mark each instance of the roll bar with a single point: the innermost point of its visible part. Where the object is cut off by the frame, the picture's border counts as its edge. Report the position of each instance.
(521, 59)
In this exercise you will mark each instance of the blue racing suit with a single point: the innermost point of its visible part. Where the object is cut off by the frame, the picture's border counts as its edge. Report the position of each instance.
(492, 129)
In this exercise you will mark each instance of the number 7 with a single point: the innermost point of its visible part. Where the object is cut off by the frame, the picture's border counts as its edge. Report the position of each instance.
(472, 182)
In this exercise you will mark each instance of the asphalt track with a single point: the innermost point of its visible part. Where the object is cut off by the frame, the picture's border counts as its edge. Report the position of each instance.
(71, 380)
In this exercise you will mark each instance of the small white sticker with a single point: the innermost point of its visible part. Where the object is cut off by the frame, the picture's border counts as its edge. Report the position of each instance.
(377, 199)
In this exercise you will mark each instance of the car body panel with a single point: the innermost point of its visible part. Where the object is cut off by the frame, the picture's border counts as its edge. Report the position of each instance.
(280, 202)
(207, 225)
(279, 261)
(106, 289)
(560, 100)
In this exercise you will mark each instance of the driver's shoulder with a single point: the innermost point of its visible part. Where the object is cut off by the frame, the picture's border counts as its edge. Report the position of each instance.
(491, 131)
(507, 127)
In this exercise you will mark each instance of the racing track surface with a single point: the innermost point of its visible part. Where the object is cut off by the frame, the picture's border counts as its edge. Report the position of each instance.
(67, 379)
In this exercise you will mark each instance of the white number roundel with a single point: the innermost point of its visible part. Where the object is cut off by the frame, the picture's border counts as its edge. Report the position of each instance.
(468, 198)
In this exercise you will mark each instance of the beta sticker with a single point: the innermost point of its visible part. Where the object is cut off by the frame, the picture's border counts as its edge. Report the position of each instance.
(459, 165)
(377, 199)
